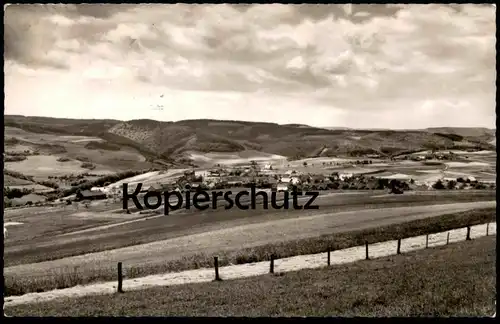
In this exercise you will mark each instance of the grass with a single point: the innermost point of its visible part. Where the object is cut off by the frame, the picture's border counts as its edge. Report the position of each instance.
(17, 284)
(186, 223)
(453, 280)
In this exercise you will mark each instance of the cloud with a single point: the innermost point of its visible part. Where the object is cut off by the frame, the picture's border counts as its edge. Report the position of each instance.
(359, 59)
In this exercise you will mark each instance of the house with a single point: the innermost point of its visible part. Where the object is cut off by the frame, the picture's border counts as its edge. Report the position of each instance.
(344, 176)
(282, 187)
(195, 186)
(268, 167)
(90, 195)
(295, 180)
(214, 173)
(285, 180)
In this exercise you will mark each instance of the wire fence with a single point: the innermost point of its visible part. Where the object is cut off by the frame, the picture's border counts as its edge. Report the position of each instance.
(68, 277)
(452, 236)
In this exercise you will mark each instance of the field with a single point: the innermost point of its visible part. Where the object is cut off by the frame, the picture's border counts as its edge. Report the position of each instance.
(195, 251)
(240, 158)
(453, 280)
(75, 150)
(56, 233)
(63, 243)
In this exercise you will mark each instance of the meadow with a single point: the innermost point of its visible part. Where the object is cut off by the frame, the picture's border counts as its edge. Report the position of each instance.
(453, 280)
(20, 282)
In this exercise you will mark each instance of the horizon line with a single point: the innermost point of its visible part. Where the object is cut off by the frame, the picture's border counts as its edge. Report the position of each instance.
(247, 121)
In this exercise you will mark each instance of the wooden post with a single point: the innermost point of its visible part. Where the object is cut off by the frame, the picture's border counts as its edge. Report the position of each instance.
(468, 234)
(399, 247)
(448, 239)
(328, 259)
(366, 245)
(120, 278)
(427, 241)
(487, 229)
(271, 268)
(216, 265)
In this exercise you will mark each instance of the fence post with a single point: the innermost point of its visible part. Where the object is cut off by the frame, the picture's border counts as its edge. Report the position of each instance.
(468, 234)
(120, 278)
(366, 245)
(328, 259)
(399, 246)
(426, 241)
(487, 229)
(216, 265)
(271, 268)
(448, 238)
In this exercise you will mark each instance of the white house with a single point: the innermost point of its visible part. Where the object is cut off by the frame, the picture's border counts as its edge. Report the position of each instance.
(295, 180)
(286, 180)
(268, 167)
(343, 176)
(282, 187)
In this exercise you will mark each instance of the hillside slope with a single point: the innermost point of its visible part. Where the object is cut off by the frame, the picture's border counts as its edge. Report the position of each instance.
(172, 141)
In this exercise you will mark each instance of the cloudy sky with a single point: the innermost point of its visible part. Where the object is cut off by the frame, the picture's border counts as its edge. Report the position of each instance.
(363, 66)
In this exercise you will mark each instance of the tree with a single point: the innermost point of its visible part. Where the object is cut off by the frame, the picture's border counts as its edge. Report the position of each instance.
(438, 185)
(304, 164)
(451, 184)
(335, 185)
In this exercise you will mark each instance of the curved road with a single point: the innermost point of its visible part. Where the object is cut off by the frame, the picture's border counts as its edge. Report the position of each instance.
(246, 236)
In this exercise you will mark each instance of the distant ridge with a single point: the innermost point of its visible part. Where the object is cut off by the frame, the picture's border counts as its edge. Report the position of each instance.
(174, 141)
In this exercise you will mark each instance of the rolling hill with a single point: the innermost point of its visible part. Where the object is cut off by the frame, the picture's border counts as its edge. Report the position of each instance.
(173, 142)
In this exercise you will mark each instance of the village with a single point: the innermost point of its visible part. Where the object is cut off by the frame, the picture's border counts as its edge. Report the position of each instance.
(277, 178)
(413, 171)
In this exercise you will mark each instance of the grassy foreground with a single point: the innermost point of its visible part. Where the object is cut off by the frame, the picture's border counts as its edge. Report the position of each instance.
(36, 245)
(453, 280)
(18, 285)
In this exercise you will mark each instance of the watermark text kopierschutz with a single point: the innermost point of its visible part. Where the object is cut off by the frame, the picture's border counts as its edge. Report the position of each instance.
(203, 200)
